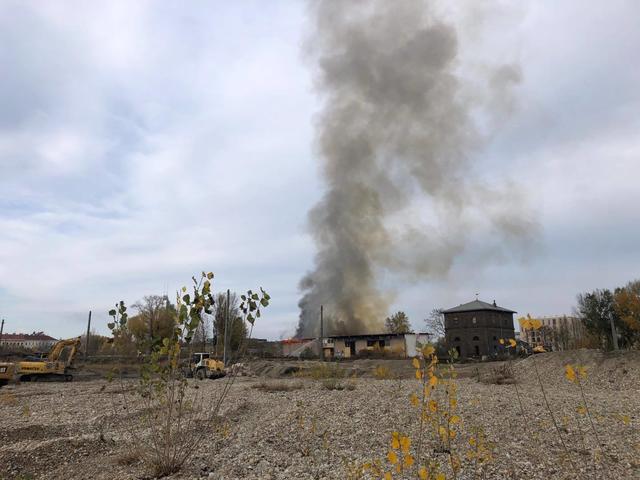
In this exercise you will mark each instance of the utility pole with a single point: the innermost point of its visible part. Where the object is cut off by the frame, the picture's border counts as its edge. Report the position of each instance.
(321, 333)
(226, 329)
(614, 334)
(86, 347)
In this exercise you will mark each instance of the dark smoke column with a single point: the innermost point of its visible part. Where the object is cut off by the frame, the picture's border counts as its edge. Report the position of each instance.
(392, 128)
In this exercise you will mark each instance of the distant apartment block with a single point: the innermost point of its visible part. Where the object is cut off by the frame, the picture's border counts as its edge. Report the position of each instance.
(38, 341)
(561, 332)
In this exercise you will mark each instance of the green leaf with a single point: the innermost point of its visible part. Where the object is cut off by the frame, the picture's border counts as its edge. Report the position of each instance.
(210, 275)
(186, 299)
(111, 326)
(255, 296)
(243, 297)
(264, 302)
(184, 289)
(258, 314)
(112, 312)
(250, 319)
(267, 296)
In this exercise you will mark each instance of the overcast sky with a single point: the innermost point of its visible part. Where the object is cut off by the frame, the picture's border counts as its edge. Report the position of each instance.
(143, 142)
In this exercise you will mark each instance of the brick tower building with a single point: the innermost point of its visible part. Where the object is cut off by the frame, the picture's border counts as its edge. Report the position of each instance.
(475, 328)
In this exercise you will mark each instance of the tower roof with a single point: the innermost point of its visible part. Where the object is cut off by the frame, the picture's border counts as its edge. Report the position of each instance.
(476, 305)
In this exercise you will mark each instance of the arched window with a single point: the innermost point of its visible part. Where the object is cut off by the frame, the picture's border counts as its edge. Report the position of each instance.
(476, 339)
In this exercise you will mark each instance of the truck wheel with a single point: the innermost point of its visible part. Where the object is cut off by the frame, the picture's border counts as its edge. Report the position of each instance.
(200, 374)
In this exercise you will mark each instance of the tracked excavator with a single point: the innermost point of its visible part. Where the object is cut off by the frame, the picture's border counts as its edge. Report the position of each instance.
(58, 365)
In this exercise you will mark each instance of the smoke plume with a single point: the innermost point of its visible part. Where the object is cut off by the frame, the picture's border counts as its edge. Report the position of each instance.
(396, 136)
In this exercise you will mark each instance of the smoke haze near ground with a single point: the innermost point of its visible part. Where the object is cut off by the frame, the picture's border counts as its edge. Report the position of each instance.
(399, 127)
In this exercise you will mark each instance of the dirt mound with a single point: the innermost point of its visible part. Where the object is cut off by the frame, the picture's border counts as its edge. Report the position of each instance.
(605, 370)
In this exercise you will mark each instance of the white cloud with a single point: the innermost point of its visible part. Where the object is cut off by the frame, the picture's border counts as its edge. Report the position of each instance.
(142, 142)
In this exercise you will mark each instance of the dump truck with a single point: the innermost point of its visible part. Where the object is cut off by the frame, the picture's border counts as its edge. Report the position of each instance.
(203, 366)
(57, 365)
(7, 371)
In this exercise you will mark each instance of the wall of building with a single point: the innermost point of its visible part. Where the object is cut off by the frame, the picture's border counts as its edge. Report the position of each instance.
(478, 333)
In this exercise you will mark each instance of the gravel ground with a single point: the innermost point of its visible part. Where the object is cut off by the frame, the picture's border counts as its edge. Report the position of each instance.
(79, 430)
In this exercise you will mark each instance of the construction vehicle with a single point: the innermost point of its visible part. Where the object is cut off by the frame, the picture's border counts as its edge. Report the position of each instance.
(203, 366)
(56, 366)
(6, 372)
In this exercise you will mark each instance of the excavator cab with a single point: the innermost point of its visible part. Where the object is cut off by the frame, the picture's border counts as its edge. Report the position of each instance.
(6, 372)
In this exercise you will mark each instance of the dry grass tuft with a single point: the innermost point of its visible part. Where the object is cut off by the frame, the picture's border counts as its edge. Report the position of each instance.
(501, 375)
(336, 384)
(129, 457)
(279, 386)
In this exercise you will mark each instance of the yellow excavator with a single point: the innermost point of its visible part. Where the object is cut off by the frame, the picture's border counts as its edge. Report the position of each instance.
(56, 366)
(6, 372)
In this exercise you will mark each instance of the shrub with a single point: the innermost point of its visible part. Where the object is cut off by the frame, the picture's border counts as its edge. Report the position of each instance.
(172, 417)
(501, 375)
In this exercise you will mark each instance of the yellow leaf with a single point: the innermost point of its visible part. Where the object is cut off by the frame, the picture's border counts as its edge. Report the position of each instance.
(625, 419)
(501, 341)
(582, 371)
(428, 350)
(524, 323)
(570, 373)
(455, 419)
(395, 444)
(453, 403)
(539, 349)
(392, 457)
(415, 401)
(441, 476)
(433, 381)
(423, 474)
(419, 374)
(388, 476)
(399, 468)
(581, 410)
(408, 461)
(416, 363)
(405, 443)
(442, 431)
(512, 342)
(472, 442)
(433, 405)
(535, 323)
(452, 434)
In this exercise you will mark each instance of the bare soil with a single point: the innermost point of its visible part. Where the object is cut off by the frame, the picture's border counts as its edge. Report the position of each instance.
(78, 430)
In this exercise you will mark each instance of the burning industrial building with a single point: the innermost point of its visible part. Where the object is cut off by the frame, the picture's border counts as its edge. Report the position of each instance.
(396, 137)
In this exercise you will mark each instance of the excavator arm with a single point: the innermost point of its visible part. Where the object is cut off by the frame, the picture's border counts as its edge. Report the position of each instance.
(59, 347)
